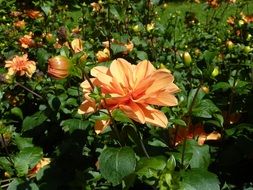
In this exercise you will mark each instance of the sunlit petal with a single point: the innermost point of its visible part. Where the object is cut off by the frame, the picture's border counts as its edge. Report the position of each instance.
(87, 107)
(133, 111)
(155, 117)
(100, 125)
(142, 70)
(121, 70)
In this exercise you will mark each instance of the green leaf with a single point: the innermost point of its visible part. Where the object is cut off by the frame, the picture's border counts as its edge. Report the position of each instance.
(18, 184)
(118, 115)
(221, 85)
(117, 163)
(22, 142)
(199, 96)
(27, 158)
(54, 103)
(142, 55)
(209, 56)
(33, 121)
(179, 122)
(73, 91)
(115, 12)
(42, 56)
(205, 109)
(46, 9)
(70, 125)
(148, 166)
(200, 154)
(200, 179)
(17, 112)
(6, 165)
(116, 48)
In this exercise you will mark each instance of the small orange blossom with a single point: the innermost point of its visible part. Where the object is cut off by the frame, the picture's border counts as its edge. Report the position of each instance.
(20, 65)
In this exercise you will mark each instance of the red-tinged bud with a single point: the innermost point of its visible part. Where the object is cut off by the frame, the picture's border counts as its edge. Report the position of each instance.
(58, 67)
(187, 58)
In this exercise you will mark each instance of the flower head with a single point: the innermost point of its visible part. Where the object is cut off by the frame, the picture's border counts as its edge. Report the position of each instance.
(33, 14)
(103, 56)
(58, 67)
(20, 24)
(76, 45)
(132, 89)
(26, 41)
(20, 65)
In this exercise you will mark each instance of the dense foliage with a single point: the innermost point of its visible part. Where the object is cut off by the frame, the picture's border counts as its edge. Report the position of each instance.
(125, 95)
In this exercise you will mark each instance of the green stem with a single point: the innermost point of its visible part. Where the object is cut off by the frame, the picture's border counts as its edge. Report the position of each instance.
(113, 126)
(8, 157)
(189, 115)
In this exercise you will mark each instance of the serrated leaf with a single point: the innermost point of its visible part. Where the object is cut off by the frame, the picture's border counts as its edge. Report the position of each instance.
(205, 109)
(117, 163)
(33, 121)
(22, 142)
(147, 166)
(18, 184)
(70, 125)
(116, 48)
(200, 154)
(73, 91)
(200, 179)
(120, 116)
(27, 158)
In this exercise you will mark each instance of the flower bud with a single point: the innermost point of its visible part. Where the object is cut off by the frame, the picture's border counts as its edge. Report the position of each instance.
(76, 45)
(229, 45)
(58, 67)
(187, 58)
(215, 71)
(103, 56)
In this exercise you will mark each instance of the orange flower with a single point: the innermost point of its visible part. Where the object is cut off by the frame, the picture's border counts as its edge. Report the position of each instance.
(58, 67)
(20, 24)
(20, 65)
(132, 89)
(103, 56)
(213, 3)
(33, 14)
(26, 41)
(42, 163)
(76, 45)
(196, 131)
(96, 7)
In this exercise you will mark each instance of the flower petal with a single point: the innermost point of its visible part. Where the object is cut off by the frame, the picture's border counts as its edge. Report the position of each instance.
(122, 71)
(100, 125)
(133, 111)
(161, 80)
(142, 70)
(162, 98)
(87, 107)
(155, 117)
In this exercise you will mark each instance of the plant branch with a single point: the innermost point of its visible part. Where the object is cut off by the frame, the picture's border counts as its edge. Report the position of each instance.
(29, 90)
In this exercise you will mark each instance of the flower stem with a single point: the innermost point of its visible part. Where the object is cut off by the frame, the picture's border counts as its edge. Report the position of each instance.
(24, 87)
(188, 122)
